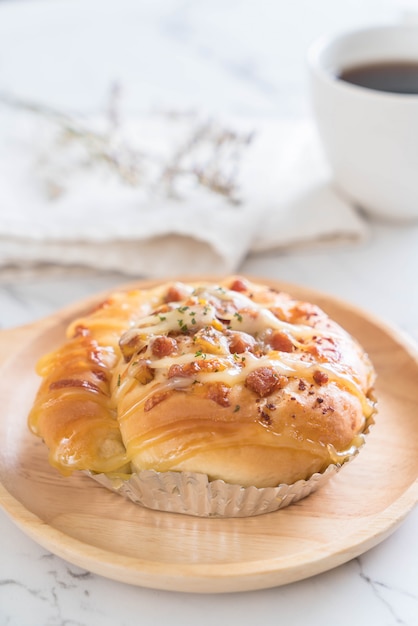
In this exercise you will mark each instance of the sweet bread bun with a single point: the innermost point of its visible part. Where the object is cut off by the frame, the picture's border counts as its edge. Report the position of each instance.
(232, 379)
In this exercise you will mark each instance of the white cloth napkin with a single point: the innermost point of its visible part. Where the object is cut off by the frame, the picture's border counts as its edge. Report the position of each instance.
(52, 210)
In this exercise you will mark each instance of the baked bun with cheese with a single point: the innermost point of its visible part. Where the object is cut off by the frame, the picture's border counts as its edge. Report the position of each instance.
(232, 381)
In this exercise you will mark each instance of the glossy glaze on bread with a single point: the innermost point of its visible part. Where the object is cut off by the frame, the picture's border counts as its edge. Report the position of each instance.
(231, 379)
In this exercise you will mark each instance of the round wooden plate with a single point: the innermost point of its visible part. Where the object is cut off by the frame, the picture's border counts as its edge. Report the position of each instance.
(95, 529)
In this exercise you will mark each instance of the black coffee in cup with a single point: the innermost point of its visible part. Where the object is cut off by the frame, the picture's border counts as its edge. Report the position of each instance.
(392, 76)
(369, 135)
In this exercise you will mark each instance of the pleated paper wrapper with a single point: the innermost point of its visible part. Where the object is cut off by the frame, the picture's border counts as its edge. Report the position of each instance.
(194, 494)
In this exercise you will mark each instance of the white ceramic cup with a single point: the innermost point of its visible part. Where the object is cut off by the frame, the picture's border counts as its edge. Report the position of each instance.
(369, 137)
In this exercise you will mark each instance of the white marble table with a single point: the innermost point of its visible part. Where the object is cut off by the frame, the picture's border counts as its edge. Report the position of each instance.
(378, 587)
(238, 60)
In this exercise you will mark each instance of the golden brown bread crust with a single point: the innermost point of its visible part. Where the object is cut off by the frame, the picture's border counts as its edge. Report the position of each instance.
(233, 379)
(72, 411)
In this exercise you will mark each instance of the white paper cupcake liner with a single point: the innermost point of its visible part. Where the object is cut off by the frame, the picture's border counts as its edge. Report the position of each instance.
(194, 494)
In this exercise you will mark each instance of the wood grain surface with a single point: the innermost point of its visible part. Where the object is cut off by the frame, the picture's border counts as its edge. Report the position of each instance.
(93, 528)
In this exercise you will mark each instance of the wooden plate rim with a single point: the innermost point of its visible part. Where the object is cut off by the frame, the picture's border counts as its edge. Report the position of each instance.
(209, 577)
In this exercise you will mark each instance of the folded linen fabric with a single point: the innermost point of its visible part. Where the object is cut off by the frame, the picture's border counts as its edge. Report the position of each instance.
(167, 193)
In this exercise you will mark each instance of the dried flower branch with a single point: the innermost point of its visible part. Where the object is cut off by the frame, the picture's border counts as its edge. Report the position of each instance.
(209, 157)
(219, 170)
(100, 147)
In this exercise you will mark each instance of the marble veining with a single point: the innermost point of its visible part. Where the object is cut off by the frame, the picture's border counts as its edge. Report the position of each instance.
(383, 592)
(36, 587)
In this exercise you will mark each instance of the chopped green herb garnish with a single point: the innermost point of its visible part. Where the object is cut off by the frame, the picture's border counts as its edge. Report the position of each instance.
(238, 316)
(237, 408)
(183, 326)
